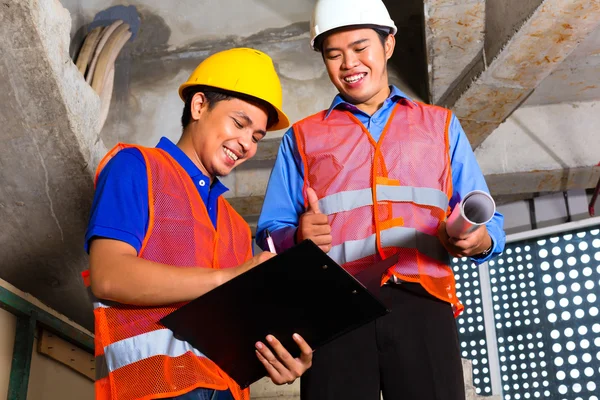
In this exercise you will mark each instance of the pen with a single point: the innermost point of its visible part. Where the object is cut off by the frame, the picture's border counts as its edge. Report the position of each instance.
(270, 242)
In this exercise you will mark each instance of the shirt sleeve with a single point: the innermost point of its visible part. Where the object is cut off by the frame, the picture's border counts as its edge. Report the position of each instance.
(284, 200)
(466, 177)
(120, 204)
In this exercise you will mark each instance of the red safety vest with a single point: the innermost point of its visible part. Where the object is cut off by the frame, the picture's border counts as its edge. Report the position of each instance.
(386, 197)
(137, 357)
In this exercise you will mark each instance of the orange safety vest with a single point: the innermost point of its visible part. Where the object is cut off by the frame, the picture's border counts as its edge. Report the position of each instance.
(386, 197)
(136, 356)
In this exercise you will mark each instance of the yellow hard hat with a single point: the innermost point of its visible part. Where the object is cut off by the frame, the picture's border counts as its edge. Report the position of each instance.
(242, 70)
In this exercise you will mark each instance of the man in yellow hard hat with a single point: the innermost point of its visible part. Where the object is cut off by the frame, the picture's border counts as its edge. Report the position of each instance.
(373, 176)
(161, 234)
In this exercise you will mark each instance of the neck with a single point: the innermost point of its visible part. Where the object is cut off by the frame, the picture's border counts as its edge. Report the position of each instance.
(186, 144)
(374, 103)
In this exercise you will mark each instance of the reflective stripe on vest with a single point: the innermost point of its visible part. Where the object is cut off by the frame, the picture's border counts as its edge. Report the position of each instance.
(352, 199)
(156, 343)
(408, 238)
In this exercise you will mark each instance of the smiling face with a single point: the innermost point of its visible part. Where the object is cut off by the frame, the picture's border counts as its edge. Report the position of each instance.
(356, 63)
(225, 135)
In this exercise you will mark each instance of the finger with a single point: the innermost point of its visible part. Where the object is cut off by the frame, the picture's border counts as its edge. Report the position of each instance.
(285, 358)
(442, 234)
(316, 219)
(313, 201)
(462, 244)
(271, 370)
(325, 249)
(272, 359)
(306, 352)
(264, 256)
(322, 240)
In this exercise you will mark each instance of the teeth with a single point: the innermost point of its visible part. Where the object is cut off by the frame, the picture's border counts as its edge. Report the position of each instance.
(354, 78)
(230, 154)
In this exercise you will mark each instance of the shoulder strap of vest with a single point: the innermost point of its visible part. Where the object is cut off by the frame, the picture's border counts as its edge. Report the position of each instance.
(317, 116)
(113, 152)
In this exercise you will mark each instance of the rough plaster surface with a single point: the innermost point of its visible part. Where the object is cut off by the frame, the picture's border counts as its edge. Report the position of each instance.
(50, 147)
(188, 20)
(576, 79)
(543, 138)
(454, 36)
(541, 44)
(503, 19)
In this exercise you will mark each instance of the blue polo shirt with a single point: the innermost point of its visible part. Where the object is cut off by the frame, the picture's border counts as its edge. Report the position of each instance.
(120, 205)
(284, 200)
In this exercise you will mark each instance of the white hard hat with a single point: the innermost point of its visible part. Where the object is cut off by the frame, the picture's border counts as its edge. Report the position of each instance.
(333, 14)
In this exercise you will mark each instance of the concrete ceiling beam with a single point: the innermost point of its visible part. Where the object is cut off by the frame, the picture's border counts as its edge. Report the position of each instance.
(454, 37)
(541, 44)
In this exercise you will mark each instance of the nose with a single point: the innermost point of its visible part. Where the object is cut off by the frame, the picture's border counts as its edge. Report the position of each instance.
(350, 60)
(245, 142)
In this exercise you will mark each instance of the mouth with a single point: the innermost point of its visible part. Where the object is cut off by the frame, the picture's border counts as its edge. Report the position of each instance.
(352, 79)
(233, 156)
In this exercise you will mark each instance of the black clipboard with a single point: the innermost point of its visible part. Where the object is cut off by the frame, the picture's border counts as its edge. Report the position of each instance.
(301, 290)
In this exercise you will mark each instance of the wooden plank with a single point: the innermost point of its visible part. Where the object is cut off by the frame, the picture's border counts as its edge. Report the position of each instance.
(67, 354)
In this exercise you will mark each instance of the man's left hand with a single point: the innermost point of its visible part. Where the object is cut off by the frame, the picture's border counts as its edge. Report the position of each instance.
(468, 245)
(279, 363)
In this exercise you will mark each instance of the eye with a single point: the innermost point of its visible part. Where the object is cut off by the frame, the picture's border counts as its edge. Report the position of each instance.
(237, 123)
(255, 139)
(333, 56)
(361, 49)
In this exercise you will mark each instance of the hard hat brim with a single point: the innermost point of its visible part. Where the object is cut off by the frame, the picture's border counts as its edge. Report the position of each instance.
(317, 41)
(283, 121)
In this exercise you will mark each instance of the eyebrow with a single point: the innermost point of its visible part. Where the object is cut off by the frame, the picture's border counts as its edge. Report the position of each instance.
(246, 118)
(360, 41)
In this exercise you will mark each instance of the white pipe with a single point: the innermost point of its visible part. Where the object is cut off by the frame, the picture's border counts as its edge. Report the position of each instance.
(476, 209)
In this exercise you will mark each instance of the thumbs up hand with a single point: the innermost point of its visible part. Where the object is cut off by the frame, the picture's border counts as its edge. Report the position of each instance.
(313, 224)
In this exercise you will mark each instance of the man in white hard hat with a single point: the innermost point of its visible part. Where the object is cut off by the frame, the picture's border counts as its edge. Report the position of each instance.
(374, 175)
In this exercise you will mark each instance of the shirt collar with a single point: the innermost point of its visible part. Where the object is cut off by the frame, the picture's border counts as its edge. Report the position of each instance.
(395, 95)
(188, 165)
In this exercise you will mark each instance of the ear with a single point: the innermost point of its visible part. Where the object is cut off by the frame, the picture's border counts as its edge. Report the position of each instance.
(390, 44)
(198, 105)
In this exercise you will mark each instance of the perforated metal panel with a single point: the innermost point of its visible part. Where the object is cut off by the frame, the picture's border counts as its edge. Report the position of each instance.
(545, 296)
(471, 329)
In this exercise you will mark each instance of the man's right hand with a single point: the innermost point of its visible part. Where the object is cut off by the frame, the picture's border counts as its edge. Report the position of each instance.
(314, 225)
(228, 274)
(254, 261)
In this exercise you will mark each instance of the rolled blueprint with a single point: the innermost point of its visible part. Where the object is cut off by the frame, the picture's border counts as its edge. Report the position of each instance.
(476, 209)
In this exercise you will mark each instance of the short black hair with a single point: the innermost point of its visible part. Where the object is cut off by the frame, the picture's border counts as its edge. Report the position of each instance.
(215, 95)
(382, 33)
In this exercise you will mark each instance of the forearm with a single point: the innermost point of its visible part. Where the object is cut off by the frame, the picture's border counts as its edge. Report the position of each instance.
(128, 279)
(284, 200)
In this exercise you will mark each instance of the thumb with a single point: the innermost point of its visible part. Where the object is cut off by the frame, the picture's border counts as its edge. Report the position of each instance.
(313, 201)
